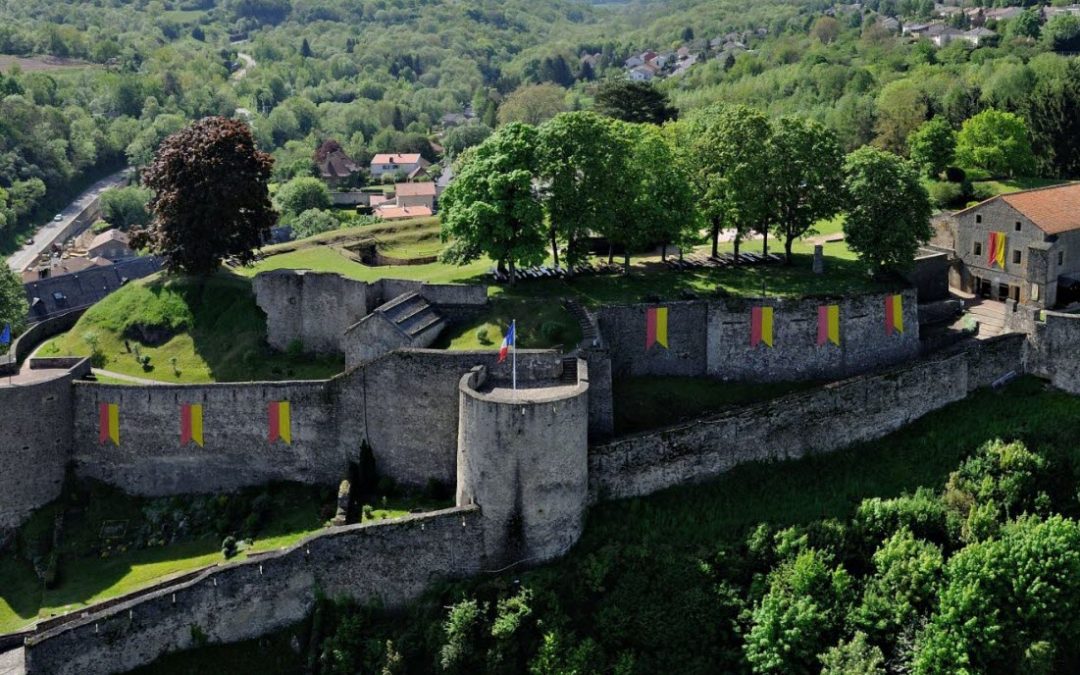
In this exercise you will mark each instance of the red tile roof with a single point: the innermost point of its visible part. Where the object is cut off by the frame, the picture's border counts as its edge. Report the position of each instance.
(425, 189)
(396, 158)
(402, 212)
(1053, 210)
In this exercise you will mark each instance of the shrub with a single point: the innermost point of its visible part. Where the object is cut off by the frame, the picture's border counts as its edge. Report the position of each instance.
(552, 331)
(368, 512)
(482, 336)
(944, 195)
(295, 349)
(228, 547)
(955, 174)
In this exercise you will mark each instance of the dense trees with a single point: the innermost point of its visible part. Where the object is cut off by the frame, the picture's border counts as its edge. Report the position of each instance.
(210, 197)
(887, 215)
(125, 207)
(13, 306)
(533, 104)
(631, 101)
(932, 146)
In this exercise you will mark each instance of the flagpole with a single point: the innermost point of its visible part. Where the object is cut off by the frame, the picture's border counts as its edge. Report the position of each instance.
(513, 350)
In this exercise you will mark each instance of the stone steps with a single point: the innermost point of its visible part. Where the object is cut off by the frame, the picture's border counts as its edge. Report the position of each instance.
(412, 314)
(589, 331)
(569, 371)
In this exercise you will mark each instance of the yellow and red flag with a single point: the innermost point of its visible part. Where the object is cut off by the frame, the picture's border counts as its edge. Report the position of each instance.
(894, 314)
(995, 249)
(828, 324)
(109, 423)
(761, 326)
(656, 327)
(280, 421)
(191, 424)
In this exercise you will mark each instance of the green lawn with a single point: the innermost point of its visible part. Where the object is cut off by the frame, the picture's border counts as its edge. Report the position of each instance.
(1005, 186)
(542, 324)
(643, 403)
(154, 545)
(214, 330)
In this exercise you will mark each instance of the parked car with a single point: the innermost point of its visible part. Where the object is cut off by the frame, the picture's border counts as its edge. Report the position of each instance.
(58, 217)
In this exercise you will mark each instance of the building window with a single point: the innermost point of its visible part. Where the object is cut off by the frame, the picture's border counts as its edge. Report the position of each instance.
(1061, 258)
(1018, 226)
(978, 248)
(978, 217)
(1016, 257)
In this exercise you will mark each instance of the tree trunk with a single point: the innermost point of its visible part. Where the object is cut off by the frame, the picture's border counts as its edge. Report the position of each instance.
(788, 240)
(765, 242)
(610, 253)
(737, 242)
(626, 262)
(513, 272)
(715, 236)
(554, 246)
(663, 252)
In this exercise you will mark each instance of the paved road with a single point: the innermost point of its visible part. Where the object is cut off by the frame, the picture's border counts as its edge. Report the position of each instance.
(51, 231)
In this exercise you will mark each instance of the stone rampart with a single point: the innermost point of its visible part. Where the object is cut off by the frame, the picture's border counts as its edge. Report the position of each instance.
(820, 420)
(713, 338)
(36, 439)
(388, 563)
(312, 308)
(1053, 349)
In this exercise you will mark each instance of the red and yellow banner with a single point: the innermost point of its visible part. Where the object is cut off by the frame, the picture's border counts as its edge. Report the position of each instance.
(280, 421)
(109, 423)
(191, 424)
(894, 314)
(995, 250)
(656, 327)
(828, 324)
(761, 326)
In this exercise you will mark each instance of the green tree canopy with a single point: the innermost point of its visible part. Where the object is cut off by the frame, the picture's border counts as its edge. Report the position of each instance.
(631, 101)
(460, 138)
(932, 146)
(492, 208)
(805, 177)
(301, 194)
(888, 211)
(125, 207)
(996, 142)
(210, 197)
(13, 307)
(533, 104)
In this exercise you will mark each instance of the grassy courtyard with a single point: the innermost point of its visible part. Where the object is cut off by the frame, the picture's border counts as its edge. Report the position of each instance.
(112, 543)
(540, 325)
(191, 330)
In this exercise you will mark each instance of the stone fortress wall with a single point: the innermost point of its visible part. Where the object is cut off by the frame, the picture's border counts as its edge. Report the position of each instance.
(521, 463)
(713, 338)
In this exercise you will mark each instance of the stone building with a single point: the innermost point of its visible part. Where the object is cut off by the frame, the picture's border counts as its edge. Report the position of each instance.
(1040, 261)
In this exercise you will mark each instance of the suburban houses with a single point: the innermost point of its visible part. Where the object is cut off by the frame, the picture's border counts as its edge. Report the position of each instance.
(1024, 246)
(396, 164)
(410, 200)
(336, 168)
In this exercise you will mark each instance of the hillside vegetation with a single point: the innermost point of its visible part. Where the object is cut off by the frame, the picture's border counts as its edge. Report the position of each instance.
(185, 330)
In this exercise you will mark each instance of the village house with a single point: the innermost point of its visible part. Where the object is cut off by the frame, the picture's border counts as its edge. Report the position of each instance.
(396, 163)
(978, 36)
(110, 245)
(415, 194)
(336, 168)
(1024, 246)
(641, 74)
(403, 212)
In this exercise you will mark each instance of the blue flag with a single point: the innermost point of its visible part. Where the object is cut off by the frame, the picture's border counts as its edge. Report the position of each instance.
(5, 336)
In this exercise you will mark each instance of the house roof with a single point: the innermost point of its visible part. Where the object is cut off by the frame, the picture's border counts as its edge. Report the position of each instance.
(402, 212)
(425, 189)
(1053, 210)
(58, 268)
(337, 164)
(107, 237)
(396, 158)
(58, 294)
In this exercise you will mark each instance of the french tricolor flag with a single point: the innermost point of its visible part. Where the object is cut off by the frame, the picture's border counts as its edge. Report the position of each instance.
(509, 342)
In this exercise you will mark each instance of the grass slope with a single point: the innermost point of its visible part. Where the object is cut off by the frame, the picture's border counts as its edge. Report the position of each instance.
(218, 333)
(540, 325)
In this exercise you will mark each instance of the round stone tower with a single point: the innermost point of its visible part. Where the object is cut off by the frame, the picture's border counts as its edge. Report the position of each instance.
(523, 459)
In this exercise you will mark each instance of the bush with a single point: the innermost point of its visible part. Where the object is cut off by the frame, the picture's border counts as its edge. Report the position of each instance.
(955, 174)
(295, 349)
(482, 336)
(228, 547)
(944, 195)
(552, 331)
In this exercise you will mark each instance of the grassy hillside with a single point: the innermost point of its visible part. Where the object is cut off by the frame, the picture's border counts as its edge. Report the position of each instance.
(192, 330)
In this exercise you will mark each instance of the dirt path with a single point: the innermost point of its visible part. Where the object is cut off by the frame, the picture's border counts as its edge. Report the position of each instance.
(249, 63)
(123, 378)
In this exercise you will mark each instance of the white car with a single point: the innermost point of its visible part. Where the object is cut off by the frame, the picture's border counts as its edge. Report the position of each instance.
(58, 217)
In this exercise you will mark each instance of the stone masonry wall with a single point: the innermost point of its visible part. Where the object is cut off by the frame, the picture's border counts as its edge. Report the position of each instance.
(34, 444)
(1054, 350)
(390, 563)
(314, 308)
(237, 452)
(713, 338)
(819, 420)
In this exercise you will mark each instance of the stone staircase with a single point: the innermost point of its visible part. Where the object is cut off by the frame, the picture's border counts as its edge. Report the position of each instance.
(590, 332)
(412, 315)
(569, 371)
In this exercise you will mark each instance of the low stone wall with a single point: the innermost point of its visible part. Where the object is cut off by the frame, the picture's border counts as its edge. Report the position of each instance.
(820, 420)
(1054, 349)
(713, 338)
(33, 336)
(388, 563)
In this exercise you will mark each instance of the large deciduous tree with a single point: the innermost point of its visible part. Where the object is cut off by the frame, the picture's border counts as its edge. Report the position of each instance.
(888, 212)
(533, 104)
(125, 207)
(585, 166)
(932, 146)
(724, 150)
(301, 194)
(210, 197)
(631, 101)
(805, 177)
(996, 142)
(492, 207)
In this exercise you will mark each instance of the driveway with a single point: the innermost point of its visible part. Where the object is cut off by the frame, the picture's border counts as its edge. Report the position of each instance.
(58, 231)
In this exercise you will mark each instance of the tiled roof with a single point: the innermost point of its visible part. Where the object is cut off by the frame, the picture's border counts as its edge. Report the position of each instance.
(402, 212)
(108, 236)
(396, 158)
(1053, 210)
(59, 294)
(424, 189)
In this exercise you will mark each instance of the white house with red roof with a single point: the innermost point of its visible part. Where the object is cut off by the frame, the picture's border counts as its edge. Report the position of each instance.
(396, 163)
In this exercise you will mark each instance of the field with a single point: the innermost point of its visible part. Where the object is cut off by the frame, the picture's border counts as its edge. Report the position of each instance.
(30, 64)
(189, 330)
